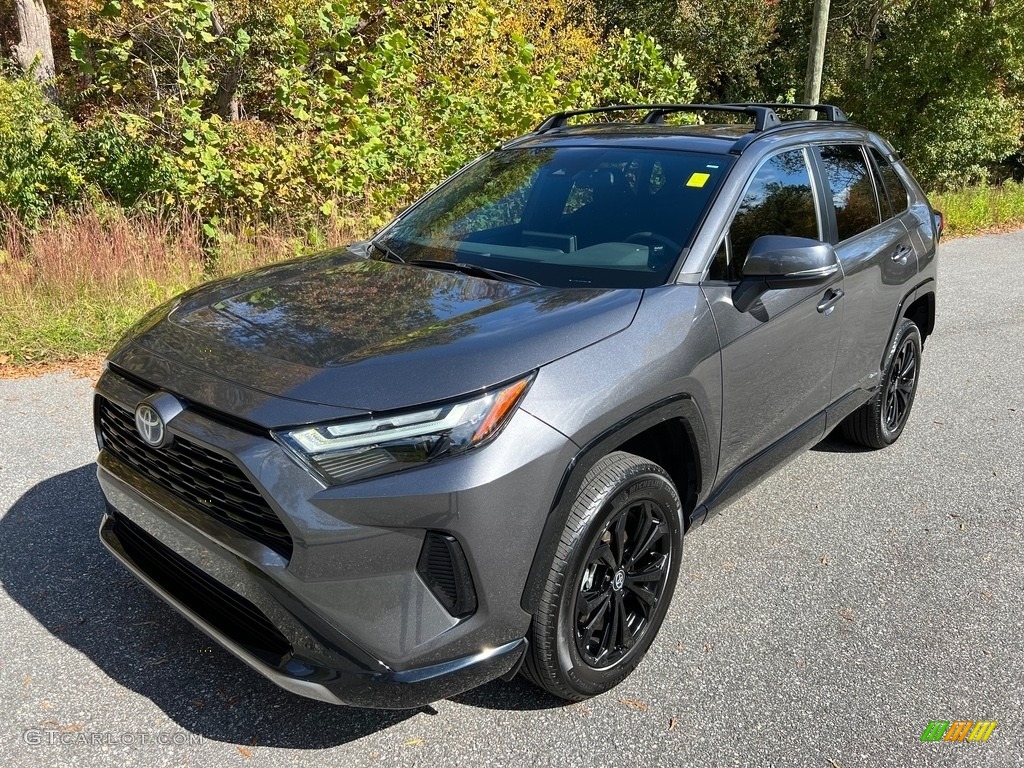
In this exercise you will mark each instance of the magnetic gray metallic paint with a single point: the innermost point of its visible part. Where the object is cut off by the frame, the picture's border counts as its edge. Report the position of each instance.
(609, 364)
(329, 328)
(355, 681)
(356, 546)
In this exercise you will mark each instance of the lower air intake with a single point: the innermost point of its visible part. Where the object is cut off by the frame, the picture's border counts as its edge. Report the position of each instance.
(444, 569)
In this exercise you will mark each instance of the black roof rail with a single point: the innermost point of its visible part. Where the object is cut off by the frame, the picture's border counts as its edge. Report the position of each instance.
(828, 111)
(764, 116)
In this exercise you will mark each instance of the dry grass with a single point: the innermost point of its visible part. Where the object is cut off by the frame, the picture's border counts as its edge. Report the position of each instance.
(69, 290)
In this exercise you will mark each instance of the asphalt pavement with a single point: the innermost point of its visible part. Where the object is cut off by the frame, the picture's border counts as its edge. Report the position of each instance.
(822, 620)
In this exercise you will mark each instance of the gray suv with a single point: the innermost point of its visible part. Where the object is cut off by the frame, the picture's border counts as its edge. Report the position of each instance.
(471, 446)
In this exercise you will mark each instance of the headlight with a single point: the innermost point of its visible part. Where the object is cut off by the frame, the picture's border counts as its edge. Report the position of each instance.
(359, 448)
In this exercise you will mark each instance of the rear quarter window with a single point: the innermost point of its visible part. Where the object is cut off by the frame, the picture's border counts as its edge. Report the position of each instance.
(894, 186)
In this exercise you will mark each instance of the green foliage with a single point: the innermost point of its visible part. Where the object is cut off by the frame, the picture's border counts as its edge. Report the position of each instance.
(942, 80)
(634, 68)
(361, 104)
(735, 43)
(39, 159)
(117, 158)
(354, 107)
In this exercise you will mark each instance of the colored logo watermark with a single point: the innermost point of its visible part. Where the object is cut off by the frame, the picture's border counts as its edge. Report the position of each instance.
(958, 730)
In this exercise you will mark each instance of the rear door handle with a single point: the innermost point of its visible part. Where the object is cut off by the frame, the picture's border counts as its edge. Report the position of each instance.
(828, 303)
(900, 254)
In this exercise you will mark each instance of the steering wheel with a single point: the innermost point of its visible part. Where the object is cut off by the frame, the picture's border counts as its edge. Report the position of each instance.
(672, 248)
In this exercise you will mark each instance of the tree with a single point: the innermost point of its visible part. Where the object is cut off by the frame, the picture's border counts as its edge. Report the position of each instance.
(816, 56)
(34, 53)
(227, 86)
(942, 80)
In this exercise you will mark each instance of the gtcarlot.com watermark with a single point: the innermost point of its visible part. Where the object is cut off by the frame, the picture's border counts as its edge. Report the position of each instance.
(50, 737)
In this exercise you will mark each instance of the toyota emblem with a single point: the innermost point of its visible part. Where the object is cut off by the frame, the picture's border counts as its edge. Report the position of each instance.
(149, 425)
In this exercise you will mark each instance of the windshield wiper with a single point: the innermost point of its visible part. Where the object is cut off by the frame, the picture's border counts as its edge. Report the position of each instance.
(387, 253)
(475, 270)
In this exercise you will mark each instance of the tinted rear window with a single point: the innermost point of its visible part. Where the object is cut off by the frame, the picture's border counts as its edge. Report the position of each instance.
(853, 193)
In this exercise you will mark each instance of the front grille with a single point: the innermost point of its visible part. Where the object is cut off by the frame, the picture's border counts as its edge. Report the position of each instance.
(205, 480)
(225, 610)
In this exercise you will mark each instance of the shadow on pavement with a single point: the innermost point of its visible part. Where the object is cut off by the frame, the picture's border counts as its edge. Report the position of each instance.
(836, 443)
(53, 565)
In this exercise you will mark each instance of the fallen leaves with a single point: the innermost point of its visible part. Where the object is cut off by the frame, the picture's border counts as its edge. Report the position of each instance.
(634, 703)
(245, 752)
(84, 368)
(70, 728)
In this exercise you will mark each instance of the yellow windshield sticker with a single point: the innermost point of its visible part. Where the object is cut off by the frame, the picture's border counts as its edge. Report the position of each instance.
(698, 179)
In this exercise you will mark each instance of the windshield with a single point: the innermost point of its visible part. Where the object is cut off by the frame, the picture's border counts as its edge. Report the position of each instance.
(602, 217)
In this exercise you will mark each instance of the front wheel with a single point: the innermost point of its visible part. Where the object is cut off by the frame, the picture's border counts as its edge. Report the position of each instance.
(880, 421)
(611, 581)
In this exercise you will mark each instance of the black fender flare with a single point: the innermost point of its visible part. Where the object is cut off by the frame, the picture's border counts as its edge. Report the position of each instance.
(915, 293)
(677, 407)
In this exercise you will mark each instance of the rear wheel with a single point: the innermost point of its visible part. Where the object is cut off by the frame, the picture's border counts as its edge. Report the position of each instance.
(611, 582)
(880, 421)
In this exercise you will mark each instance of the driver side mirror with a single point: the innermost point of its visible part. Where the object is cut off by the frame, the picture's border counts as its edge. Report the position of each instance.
(779, 261)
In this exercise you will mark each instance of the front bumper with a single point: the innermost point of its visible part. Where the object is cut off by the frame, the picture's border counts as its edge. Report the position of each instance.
(346, 618)
(353, 679)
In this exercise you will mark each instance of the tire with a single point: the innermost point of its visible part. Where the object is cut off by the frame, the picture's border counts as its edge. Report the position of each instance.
(600, 610)
(880, 421)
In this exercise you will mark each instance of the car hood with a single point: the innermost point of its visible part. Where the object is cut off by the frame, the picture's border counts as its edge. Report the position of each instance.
(340, 330)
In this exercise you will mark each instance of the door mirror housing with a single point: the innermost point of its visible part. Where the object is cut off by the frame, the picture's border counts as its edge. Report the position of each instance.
(778, 261)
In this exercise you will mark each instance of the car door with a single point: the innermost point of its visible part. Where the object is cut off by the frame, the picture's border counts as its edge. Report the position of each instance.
(777, 358)
(878, 260)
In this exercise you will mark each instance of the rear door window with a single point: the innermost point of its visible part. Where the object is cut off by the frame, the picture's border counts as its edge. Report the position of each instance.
(853, 192)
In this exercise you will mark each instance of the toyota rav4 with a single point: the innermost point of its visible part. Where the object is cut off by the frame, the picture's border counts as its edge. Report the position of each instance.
(472, 445)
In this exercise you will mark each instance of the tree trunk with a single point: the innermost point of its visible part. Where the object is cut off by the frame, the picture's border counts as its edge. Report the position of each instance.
(35, 51)
(816, 56)
(876, 19)
(227, 103)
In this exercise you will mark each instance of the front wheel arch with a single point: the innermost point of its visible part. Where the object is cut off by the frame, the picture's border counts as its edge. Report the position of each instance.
(681, 410)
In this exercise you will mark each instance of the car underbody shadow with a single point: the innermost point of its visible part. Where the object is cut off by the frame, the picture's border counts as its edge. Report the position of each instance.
(836, 443)
(517, 694)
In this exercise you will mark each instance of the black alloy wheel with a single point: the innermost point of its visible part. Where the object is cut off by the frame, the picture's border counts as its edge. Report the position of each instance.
(880, 421)
(624, 578)
(611, 580)
(900, 386)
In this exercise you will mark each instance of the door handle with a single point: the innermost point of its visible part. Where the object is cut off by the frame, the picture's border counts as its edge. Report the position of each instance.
(828, 303)
(900, 254)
